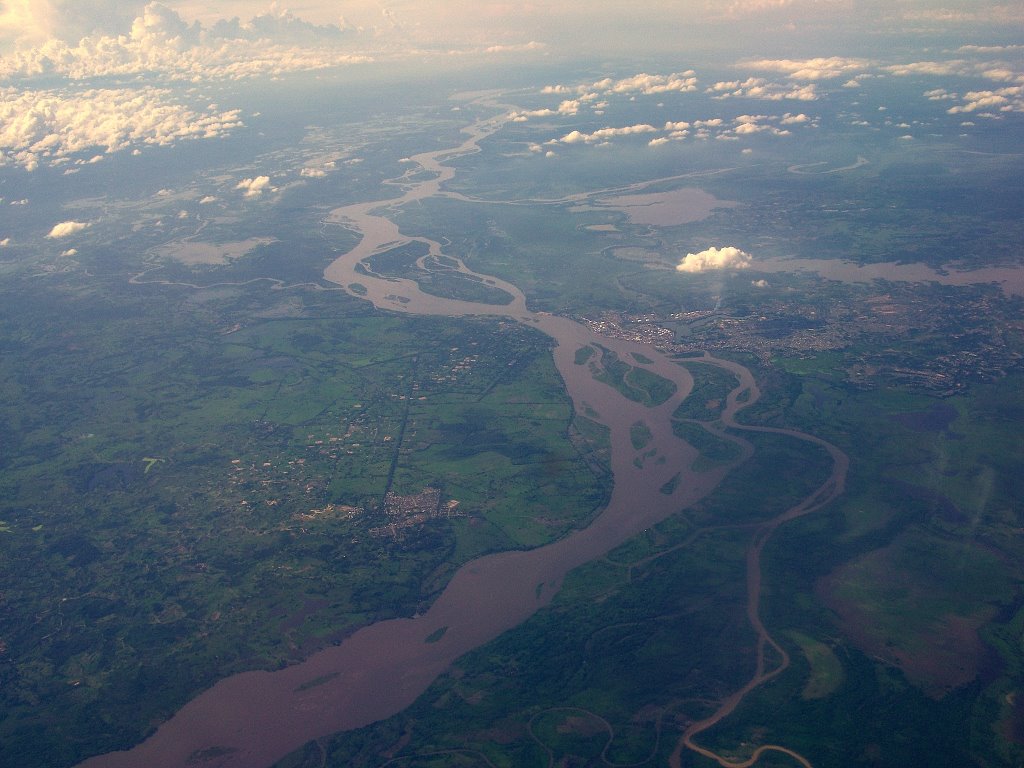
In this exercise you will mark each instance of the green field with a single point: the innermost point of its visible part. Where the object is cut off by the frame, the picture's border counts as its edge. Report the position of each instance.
(214, 503)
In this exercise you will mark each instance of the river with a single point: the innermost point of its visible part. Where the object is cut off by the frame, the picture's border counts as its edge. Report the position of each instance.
(255, 718)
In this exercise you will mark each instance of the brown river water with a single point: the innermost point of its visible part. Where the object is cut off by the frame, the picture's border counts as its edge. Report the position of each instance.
(255, 718)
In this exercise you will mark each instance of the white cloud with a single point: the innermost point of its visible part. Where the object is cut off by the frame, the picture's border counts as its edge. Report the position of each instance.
(759, 283)
(997, 72)
(567, 107)
(1010, 99)
(45, 126)
(955, 67)
(69, 252)
(809, 69)
(161, 42)
(208, 199)
(34, 21)
(991, 14)
(759, 88)
(280, 26)
(533, 45)
(604, 134)
(5, 242)
(67, 228)
(682, 82)
(750, 124)
(255, 187)
(643, 83)
(729, 257)
(313, 173)
(1002, 74)
(740, 8)
(990, 48)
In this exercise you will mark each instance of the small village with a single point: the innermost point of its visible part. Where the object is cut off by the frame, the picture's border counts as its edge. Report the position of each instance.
(405, 512)
(869, 334)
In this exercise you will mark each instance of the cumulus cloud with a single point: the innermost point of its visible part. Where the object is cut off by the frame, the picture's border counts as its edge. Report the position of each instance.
(280, 26)
(34, 21)
(161, 42)
(533, 45)
(69, 252)
(729, 257)
(990, 48)
(809, 69)
(759, 88)
(255, 187)
(604, 134)
(1010, 99)
(997, 72)
(5, 242)
(313, 173)
(567, 107)
(955, 67)
(643, 83)
(48, 126)
(739, 8)
(646, 84)
(67, 228)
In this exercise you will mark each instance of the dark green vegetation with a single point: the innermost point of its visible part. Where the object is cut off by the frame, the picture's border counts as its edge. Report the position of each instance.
(711, 386)
(439, 276)
(902, 624)
(898, 604)
(610, 669)
(193, 484)
(636, 383)
(639, 436)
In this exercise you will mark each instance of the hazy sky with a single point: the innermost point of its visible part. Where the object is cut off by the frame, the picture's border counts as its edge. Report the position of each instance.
(581, 24)
(108, 76)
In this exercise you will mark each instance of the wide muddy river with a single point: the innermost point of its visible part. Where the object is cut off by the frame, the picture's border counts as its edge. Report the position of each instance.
(255, 718)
